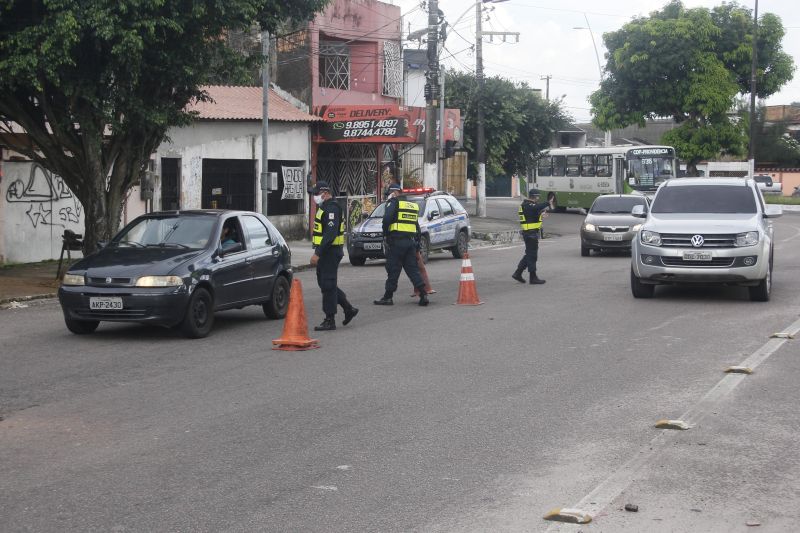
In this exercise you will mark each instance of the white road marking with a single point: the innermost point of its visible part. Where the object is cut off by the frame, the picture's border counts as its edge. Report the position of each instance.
(607, 491)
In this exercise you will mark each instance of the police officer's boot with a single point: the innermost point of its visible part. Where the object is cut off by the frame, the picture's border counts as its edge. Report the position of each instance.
(329, 324)
(386, 300)
(423, 297)
(517, 275)
(349, 314)
(535, 279)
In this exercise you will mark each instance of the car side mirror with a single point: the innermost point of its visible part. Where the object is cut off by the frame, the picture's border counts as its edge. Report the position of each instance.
(433, 214)
(772, 211)
(364, 216)
(639, 211)
(231, 248)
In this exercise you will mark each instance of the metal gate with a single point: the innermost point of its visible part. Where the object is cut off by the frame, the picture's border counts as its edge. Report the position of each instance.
(229, 184)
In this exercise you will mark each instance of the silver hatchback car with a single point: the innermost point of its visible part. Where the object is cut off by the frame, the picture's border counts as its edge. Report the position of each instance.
(705, 230)
(609, 224)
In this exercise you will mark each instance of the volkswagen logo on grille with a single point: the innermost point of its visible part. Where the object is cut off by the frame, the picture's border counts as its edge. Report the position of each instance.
(108, 280)
(697, 241)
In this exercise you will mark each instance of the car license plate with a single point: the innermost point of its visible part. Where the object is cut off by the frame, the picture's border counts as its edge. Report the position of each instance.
(105, 303)
(612, 236)
(372, 246)
(697, 256)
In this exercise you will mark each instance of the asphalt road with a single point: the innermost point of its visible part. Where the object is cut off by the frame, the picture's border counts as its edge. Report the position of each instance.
(445, 418)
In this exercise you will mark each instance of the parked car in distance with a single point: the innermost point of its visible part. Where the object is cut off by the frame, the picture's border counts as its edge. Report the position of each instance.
(178, 268)
(443, 222)
(705, 230)
(609, 224)
(766, 185)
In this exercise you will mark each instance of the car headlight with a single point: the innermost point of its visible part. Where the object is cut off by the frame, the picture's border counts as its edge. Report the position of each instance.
(159, 281)
(73, 279)
(650, 237)
(589, 227)
(636, 227)
(747, 239)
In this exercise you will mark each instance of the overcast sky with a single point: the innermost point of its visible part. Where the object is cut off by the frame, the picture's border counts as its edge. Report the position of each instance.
(549, 44)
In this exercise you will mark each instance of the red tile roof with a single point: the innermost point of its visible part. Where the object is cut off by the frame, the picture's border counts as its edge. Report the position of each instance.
(244, 103)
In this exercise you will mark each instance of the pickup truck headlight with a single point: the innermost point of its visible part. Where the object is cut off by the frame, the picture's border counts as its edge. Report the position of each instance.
(589, 227)
(159, 281)
(73, 279)
(650, 237)
(747, 239)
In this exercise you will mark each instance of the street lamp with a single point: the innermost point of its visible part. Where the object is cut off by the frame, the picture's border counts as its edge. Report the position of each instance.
(606, 134)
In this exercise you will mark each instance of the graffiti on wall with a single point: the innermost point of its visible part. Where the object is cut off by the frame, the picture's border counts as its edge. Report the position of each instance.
(45, 193)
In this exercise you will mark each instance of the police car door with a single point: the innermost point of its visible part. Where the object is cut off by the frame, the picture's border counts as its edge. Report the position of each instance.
(432, 221)
(448, 221)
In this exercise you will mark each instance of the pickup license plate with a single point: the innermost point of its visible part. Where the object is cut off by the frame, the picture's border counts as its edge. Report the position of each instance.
(373, 246)
(612, 236)
(105, 303)
(697, 256)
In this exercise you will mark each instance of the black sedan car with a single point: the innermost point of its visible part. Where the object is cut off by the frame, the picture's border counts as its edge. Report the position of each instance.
(177, 268)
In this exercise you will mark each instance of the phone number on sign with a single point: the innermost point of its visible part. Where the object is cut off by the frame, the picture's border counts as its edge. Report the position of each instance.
(367, 124)
(370, 132)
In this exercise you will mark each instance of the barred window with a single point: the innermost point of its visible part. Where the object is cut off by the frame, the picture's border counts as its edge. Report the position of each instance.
(334, 65)
(392, 69)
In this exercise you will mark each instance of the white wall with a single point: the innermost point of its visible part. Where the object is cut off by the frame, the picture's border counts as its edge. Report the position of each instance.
(35, 209)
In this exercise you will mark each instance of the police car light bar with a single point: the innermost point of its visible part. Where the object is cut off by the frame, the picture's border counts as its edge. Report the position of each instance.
(420, 190)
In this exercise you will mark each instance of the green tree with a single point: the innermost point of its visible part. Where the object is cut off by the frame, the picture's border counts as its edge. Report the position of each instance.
(690, 64)
(774, 144)
(96, 85)
(518, 124)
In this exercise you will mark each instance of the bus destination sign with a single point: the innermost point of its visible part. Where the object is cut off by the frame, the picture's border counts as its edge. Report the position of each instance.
(645, 152)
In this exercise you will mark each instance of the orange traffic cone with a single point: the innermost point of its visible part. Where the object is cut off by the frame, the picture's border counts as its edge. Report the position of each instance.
(295, 327)
(467, 292)
(424, 272)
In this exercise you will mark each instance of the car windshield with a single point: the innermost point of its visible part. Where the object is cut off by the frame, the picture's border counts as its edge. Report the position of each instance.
(724, 199)
(191, 232)
(615, 205)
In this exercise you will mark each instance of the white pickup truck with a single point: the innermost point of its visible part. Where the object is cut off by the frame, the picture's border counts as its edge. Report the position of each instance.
(766, 185)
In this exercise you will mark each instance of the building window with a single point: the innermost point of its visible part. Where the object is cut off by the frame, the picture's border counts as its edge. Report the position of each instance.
(392, 69)
(334, 65)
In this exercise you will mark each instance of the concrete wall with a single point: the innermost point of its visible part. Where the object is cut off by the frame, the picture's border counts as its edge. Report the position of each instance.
(234, 140)
(35, 209)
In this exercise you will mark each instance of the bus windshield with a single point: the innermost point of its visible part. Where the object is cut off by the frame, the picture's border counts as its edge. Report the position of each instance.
(648, 168)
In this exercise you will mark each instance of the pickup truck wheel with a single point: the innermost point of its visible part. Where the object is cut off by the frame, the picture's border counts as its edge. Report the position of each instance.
(761, 292)
(639, 289)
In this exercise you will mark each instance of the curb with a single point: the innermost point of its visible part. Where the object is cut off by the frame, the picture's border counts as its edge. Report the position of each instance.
(497, 236)
(4, 301)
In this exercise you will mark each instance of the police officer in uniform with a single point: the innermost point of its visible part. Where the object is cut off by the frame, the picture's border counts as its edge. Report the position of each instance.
(328, 240)
(401, 228)
(531, 213)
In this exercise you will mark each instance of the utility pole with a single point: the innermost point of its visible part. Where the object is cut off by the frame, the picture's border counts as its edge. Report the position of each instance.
(751, 156)
(547, 85)
(480, 201)
(429, 168)
(440, 166)
(264, 121)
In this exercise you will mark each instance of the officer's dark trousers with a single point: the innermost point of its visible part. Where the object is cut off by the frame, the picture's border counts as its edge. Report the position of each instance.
(402, 256)
(327, 271)
(531, 254)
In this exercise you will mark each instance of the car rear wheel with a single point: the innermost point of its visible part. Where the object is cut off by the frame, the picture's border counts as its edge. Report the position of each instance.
(199, 317)
(639, 289)
(81, 327)
(761, 292)
(357, 261)
(462, 245)
(425, 245)
(585, 252)
(277, 306)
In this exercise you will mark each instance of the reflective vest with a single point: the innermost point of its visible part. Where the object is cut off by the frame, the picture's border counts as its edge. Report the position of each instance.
(529, 224)
(319, 218)
(405, 220)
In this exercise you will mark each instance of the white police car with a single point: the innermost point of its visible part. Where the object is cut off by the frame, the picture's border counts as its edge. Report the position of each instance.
(443, 221)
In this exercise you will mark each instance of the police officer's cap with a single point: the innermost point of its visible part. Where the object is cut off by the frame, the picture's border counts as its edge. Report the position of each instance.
(533, 192)
(321, 186)
(393, 187)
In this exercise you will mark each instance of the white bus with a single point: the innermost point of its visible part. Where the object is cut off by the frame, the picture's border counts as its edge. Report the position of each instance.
(576, 176)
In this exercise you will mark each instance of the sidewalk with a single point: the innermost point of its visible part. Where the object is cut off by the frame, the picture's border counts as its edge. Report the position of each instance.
(29, 281)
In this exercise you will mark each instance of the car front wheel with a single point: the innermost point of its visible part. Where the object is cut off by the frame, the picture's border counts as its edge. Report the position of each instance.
(639, 289)
(425, 247)
(81, 327)
(585, 252)
(357, 261)
(277, 306)
(462, 245)
(199, 317)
